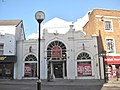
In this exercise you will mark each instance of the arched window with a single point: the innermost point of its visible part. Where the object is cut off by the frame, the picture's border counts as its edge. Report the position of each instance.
(30, 58)
(56, 50)
(83, 56)
(30, 66)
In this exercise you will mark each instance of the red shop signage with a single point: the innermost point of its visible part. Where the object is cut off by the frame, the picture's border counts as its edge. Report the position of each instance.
(28, 70)
(84, 69)
(112, 60)
(56, 52)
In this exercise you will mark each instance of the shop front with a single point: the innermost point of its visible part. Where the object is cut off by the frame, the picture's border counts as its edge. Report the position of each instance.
(112, 64)
(7, 67)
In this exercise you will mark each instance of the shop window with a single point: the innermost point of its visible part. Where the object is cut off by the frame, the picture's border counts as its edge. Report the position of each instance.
(6, 71)
(1, 49)
(30, 67)
(84, 66)
(108, 26)
(110, 45)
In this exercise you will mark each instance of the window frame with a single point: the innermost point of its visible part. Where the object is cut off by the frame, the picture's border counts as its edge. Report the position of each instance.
(113, 42)
(84, 59)
(31, 60)
(111, 26)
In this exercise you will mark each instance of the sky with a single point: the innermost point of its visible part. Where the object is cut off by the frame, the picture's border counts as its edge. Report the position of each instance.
(68, 10)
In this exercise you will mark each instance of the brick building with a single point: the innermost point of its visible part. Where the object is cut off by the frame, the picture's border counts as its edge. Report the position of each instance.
(106, 25)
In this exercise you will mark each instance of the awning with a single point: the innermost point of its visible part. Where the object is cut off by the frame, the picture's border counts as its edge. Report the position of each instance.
(112, 59)
(8, 58)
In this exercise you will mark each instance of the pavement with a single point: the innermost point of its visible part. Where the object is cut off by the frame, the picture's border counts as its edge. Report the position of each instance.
(112, 82)
(81, 82)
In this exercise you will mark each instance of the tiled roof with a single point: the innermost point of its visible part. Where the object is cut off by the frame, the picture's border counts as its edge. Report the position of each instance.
(9, 22)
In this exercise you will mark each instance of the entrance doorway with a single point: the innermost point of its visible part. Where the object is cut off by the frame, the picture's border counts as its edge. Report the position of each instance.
(58, 69)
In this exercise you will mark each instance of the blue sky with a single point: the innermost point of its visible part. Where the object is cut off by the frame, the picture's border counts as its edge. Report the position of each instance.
(69, 10)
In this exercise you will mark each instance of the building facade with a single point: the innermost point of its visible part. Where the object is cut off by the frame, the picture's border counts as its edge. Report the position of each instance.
(106, 25)
(11, 31)
(69, 56)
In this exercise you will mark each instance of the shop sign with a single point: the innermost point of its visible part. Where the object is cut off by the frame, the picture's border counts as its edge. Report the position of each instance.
(3, 58)
(6, 58)
(84, 69)
(112, 59)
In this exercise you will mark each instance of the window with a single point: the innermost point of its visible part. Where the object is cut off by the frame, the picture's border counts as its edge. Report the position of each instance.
(84, 65)
(110, 45)
(84, 68)
(56, 50)
(83, 56)
(108, 25)
(1, 49)
(30, 58)
(30, 66)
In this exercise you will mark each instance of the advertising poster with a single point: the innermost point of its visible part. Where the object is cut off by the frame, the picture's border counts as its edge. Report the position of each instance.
(84, 69)
(56, 52)
(28, 70)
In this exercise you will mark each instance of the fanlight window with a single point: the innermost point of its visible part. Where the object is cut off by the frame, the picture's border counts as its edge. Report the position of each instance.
(83, 56)
(30, 58)
(56, 51)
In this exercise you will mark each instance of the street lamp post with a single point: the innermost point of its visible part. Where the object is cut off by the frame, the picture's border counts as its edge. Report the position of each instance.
(39, 16)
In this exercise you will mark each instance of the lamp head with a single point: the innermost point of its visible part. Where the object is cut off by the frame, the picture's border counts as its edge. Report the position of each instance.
(39, 16)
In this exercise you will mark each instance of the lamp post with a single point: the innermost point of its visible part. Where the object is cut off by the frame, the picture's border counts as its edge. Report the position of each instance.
(39, 16)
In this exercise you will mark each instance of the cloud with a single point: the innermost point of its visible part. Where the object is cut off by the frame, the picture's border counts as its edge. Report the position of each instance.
(33, 36)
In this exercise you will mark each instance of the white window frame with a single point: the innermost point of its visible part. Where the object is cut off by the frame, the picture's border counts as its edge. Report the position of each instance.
(114, 50)
(30, 62)
(111, 26)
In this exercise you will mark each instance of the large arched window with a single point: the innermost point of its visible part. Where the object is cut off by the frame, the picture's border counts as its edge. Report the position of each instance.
(56, 50)
(84, 65)
(30, 66)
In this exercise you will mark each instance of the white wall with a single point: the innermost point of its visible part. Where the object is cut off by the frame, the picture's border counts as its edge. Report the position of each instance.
(7, 34)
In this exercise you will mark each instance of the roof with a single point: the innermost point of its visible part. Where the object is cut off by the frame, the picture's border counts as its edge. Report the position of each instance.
(9, 22)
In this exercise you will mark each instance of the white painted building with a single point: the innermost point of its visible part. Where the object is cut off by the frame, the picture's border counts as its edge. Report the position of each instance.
(11, 31)
(69, 55)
